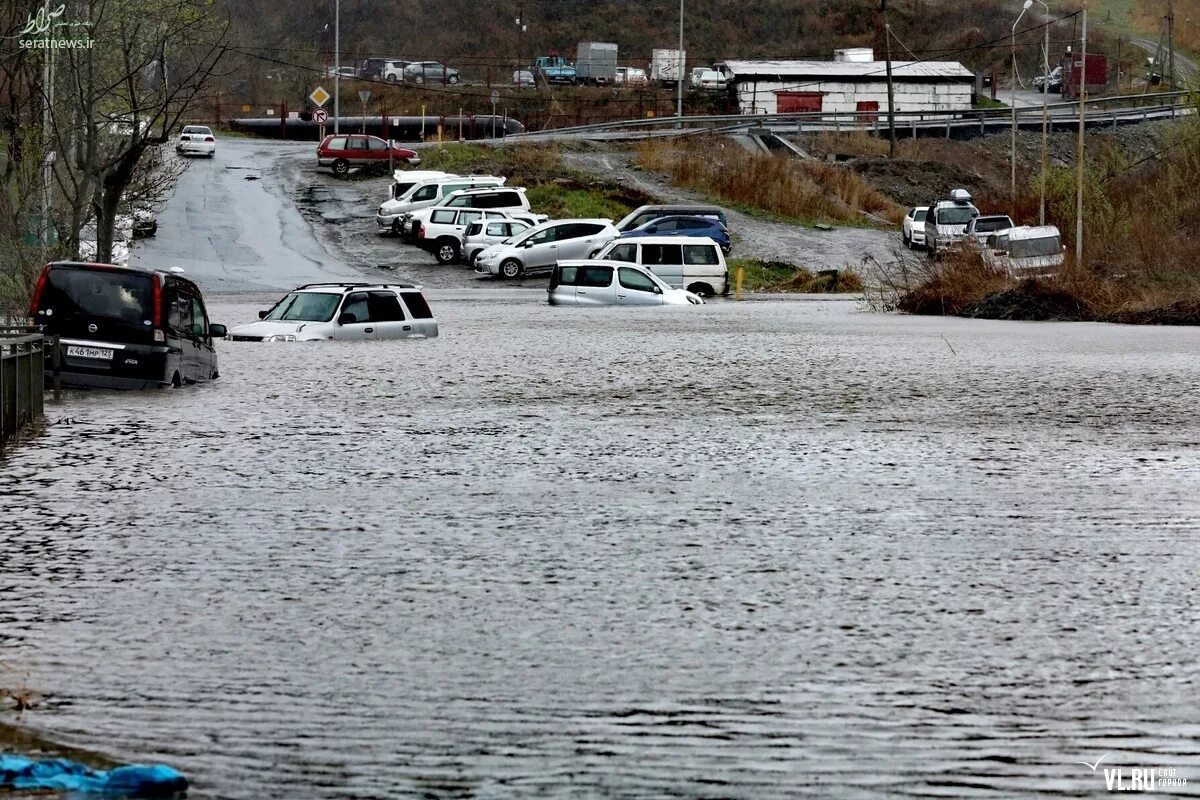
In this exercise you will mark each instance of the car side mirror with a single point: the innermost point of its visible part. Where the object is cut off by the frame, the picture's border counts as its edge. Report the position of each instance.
(347, 318)
(657, 289)
(263, 314)
(217, 331)
(652, 229)
(528, 244)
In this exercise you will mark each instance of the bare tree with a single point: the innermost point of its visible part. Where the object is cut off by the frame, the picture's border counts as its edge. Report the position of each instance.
(124, 96)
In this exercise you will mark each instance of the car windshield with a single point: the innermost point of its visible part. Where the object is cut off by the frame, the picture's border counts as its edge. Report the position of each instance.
(197, 129)
(921, 214)
(305, 307)
(955, 215)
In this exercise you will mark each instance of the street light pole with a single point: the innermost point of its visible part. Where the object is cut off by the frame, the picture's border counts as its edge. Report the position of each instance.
(1045, 114)
(1013, 95)
(679, 73)
(337, 63)
(1079, 148)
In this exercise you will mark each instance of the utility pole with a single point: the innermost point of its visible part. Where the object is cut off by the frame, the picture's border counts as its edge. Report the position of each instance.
(887, 35)
(520, 38)
(337, 63)
(1013, 98)
(48, 158)
(1046, 113)
(1171, 42)
(1079, 149)
(679, 74)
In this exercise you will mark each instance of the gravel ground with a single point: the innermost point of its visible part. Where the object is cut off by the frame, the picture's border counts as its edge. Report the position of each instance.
(752, 237)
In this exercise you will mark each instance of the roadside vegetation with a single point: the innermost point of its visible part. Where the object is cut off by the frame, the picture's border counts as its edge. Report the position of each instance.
(554, 187)
(780, 276)
(800, 190)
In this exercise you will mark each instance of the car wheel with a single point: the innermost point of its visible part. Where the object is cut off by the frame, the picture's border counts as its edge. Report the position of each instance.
(341, 166)
(391, 78)
(904, 237)
(474, 255)
(176, 381)
(446, 251)
(511, 268)
(395, 227)
(702, 289)
(454, 79)
(418, 78)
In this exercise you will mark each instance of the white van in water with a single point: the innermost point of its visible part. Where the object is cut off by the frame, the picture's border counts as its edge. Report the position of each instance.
(429, 193)
(405, 179)
(1028, 251)
(684, 262)
(946, 223)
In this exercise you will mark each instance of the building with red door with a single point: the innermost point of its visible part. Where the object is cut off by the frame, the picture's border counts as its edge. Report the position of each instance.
(853, 82)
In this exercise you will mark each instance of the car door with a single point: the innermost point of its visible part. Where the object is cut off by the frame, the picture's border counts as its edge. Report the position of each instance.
(421, 316)
(206, 354)
(594, 286)
(387, 316)
(354, 318)
(465, 218)
(377, 149)
(541, 249)
(702, 264)
(665, 261)
(356, 148)
(635, 288)
(580, 241)
(180, 326)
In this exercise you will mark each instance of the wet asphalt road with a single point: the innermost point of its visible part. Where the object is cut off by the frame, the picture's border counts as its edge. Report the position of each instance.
(749, 550)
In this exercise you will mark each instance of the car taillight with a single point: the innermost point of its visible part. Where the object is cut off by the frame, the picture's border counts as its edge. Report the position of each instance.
(421, 231)
(158, 309)
(209, 139)
(37, 292)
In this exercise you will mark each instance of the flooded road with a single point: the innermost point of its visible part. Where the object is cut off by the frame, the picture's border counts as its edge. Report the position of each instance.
(743, 550)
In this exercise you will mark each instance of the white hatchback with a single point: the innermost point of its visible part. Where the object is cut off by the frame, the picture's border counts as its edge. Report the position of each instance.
(196, 140)
(612, 283)
(347, 311)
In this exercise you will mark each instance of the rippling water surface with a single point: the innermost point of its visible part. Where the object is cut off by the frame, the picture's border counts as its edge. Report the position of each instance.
(747, 550)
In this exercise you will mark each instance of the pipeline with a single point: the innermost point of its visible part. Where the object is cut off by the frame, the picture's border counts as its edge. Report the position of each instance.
(402, 129)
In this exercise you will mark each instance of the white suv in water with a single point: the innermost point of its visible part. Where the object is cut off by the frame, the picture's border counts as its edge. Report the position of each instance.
(352, 311)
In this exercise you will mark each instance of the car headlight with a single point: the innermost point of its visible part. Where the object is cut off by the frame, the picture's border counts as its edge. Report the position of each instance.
(280, 337)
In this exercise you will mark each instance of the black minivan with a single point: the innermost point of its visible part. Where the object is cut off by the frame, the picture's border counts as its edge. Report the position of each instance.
(125, 327)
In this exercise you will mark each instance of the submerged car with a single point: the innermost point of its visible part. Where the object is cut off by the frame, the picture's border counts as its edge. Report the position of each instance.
(196, 140)
(947, 220)
(126, 327)
(1028, 251)
(480, 236)
(612, 283)
(345, 311)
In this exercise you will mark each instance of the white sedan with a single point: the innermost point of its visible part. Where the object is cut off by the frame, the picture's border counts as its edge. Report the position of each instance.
(912, 230)
(196, 140)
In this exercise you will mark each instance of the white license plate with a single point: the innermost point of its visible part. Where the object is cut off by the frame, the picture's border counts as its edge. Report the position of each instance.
(89, 352)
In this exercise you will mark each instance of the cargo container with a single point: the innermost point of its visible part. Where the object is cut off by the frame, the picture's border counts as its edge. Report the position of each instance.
(596, 62)
(1095, 80)
(667, 66)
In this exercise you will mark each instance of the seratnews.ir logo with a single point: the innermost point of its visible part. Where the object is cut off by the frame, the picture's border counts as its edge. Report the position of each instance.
(1137, 779)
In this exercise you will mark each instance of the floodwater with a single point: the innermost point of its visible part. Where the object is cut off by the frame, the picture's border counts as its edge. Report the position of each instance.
(754, 550)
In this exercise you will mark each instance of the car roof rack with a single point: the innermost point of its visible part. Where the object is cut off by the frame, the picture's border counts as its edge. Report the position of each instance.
(354, 285)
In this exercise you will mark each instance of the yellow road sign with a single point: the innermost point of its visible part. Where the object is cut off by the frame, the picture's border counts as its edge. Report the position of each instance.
(319, 96)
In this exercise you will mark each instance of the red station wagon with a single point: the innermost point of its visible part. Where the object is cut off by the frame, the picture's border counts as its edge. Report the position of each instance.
(341, 151)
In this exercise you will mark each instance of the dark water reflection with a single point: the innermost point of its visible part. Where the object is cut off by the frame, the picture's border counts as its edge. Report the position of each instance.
(747, 550)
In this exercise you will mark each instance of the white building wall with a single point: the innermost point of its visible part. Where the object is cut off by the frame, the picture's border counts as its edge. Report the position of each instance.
(844, 96)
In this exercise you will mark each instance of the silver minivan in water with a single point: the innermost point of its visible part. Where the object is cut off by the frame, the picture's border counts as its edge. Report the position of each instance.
(589, 282)
(683, 262)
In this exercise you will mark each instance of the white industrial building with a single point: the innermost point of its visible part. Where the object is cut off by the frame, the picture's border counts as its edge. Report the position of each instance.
(853, 81)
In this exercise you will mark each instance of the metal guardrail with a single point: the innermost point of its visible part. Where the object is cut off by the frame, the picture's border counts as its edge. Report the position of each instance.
(23, 353)
(1144, 108)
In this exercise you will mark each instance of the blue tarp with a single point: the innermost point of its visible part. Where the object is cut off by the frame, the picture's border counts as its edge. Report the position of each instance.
(136, 780)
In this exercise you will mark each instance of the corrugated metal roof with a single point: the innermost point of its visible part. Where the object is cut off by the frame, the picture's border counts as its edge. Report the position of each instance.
(848, 69)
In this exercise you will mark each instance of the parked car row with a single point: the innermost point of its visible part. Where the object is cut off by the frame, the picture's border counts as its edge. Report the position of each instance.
(955, 224)
(398, 70)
